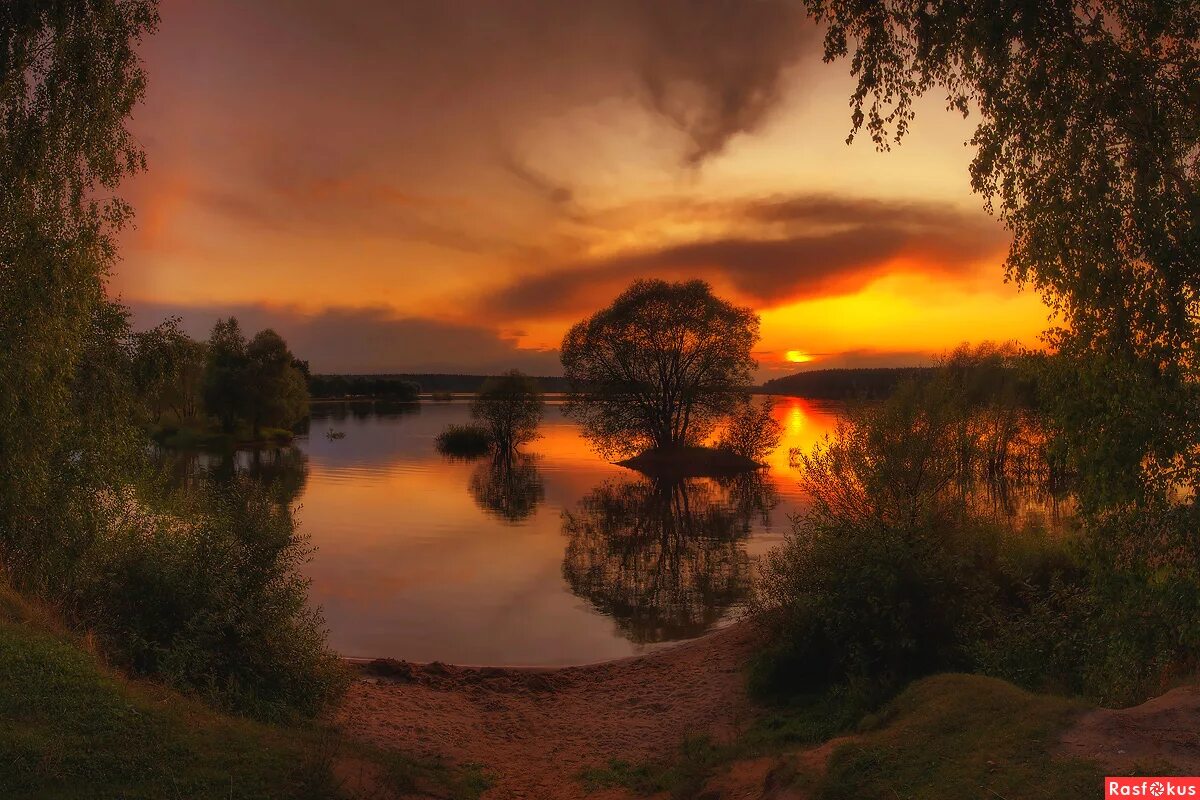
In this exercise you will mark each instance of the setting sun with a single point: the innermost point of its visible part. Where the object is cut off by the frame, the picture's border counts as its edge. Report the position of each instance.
(797, 356)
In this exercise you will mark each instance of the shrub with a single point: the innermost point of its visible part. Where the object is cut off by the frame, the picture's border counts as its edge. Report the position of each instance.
(465, 441)
(752, 431)
(210, 599)
(510, 407)
(1114, 616)
(888, 574)
(870, 610)
(893, 573)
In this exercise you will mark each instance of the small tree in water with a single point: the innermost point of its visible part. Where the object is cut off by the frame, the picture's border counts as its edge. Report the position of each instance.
(660, 367)
(510, 407)
(752, 431)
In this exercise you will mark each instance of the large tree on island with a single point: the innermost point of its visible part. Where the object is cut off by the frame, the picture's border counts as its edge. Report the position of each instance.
(660, 367)
(1088, 147)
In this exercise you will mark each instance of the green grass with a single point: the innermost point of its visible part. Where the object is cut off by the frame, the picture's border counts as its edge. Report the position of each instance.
(954, 736)
(944, 738)
(683, 777)
(71, 729)
(805, 721)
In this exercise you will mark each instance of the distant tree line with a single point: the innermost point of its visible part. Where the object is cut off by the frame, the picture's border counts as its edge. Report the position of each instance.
(869, 383)
(425, 382)
(337, 387)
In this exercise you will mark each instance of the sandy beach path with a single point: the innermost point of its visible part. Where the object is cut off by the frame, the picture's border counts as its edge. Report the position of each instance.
(535, 730)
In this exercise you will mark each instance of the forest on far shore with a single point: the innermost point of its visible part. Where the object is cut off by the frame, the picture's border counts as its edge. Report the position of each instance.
(864, 383)
(825, 384)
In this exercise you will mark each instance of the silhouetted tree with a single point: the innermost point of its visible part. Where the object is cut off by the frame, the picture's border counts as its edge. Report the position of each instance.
(752, 431)
(510, 407)
(255, 381)
(224, 379)
(168, 370)
(276, 393)
(659, 367)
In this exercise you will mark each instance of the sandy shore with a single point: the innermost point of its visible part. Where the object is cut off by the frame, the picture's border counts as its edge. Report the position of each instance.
(534, 730)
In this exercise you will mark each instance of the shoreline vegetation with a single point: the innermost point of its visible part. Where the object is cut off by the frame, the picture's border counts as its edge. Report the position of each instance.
(74, 728)
(197, 436)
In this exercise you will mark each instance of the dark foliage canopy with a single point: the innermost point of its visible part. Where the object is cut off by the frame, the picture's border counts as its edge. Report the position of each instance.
(69, 78)
(659, 367)
(1088, 147)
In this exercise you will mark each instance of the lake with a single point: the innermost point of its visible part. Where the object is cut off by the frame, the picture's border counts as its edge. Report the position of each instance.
(557, 557)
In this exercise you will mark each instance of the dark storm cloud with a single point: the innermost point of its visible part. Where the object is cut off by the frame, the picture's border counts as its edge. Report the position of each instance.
(796, 248)
(551, 191)
(366, 340)
(715, 68)
(420, 72)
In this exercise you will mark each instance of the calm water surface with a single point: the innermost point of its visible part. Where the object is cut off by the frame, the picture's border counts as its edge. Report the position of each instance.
(558, 558)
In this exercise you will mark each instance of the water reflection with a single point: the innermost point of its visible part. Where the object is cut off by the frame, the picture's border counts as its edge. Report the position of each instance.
(664, 559)
(339, 411)
(425, 558)
(282, 471)
(508, 486)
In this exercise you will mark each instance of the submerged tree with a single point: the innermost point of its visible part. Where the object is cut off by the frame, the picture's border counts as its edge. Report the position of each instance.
(752, 431)
(508, 486)
(510, 407)
(660, 367)
(1089, 148)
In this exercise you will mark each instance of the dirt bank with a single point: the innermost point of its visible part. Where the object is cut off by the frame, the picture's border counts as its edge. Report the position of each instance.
(535, 730)
(1160, 732)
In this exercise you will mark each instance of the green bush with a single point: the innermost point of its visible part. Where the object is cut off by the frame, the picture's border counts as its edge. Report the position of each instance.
(895, 573)
(465, 441)
(871, 610)
(878, 582)
(211, 599)
(1116, 616)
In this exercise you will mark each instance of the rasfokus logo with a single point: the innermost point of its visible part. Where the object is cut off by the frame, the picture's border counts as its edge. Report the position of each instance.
(1152, 787)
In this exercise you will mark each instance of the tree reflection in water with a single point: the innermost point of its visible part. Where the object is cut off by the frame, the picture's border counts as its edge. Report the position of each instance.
(508, 485)
(282, 471)
(664, 558)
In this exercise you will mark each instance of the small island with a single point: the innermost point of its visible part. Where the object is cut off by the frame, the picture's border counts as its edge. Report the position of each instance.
(690, 462)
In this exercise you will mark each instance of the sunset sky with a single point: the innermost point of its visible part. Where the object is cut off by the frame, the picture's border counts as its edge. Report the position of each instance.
(419, 186)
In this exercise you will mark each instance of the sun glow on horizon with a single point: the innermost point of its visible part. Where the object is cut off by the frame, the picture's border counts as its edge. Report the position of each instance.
(797, 356)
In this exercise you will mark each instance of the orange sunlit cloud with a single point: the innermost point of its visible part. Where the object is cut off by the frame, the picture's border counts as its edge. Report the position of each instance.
(353, 181)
